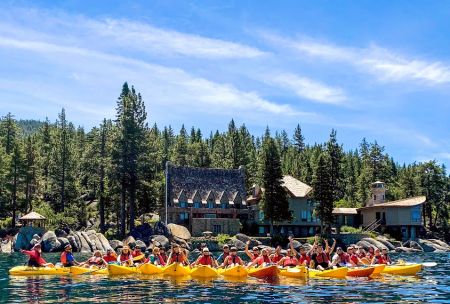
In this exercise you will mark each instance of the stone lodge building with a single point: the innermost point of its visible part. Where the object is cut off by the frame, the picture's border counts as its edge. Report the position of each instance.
(206, 199)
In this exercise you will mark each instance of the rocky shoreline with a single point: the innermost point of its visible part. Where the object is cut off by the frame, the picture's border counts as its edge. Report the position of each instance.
(147, 237)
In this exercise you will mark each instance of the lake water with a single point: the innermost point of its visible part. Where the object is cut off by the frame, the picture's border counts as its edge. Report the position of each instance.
(432, 285)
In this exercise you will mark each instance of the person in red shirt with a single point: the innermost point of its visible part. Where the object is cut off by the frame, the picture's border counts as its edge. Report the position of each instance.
(205, 259)
(163, 255)
(252, 255)
(277, 256)
(125, 258)
(378, 258)
(177, 256)
(384, 253)
(95, 260)
(340, 258)
(155, 258)
(303, 257)
(290, 260)
(138, 256)
(67, 258)
(110, 256)
(353, 258)
(232, 259)
(262, 260)
(35, 258)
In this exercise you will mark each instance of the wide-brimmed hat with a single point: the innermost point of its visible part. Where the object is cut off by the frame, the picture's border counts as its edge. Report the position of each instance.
(205, 249)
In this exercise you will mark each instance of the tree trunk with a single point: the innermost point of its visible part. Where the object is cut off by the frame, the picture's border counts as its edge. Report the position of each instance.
(123, 209)
(132, 203)
(102, 183)
(14, 198)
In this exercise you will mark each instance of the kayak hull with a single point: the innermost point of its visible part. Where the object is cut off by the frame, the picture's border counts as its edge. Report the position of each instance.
(378, 269)
(264, 272)
(77, 270)
(360, 271)
(150, 269)
(235, 271)
(121, 270)
(402, 269)
(299, 272)
(337, 273)
(176, 270)
(29, 271)
(203, 271)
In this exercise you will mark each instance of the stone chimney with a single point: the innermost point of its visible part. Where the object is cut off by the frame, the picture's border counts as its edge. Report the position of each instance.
(378, 194)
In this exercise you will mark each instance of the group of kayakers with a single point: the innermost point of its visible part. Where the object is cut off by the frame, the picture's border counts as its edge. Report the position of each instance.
(318, 257)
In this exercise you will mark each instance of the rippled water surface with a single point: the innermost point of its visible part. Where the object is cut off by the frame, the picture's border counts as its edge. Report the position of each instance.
(432, 285)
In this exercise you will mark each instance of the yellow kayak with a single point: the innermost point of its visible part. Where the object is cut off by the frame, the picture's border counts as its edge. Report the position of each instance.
(176, 270)
(378, 269)
(407, 269)
(121, 270)
(26, 271)
(203, 271)
(337, 273)
(235, 271)
(150, 269)
(295, 272)
(77, 270)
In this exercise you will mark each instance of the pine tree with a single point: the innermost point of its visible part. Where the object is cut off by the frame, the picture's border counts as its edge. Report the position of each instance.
(299, 139)
(275, 202)
(335, 154)
(180, 149)
(30, 172)
(323, 191)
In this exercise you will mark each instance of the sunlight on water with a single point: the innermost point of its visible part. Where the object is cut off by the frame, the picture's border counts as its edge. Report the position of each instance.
(432, 285)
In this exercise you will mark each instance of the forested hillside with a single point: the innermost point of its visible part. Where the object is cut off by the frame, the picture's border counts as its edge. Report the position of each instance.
(114, 171)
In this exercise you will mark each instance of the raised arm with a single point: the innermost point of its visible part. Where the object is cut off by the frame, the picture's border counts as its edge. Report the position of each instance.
(291, 245)
(332, 247)
(249, 254)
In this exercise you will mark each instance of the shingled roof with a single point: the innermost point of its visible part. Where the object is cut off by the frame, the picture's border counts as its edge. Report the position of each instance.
(32, 216)
(407, 202)
(202, 184)
(295, 187)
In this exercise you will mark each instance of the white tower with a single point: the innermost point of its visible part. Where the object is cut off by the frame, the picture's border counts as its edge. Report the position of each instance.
(378, 195)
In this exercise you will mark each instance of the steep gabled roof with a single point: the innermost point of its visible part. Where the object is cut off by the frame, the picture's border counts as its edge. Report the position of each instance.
(207, 182)
(295, 187)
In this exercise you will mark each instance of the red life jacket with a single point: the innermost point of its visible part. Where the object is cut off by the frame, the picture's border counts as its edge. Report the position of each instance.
(380, 259)
(163, 258)
(64, 257)
(126, 257)
(276, 258)
(176, 258)
(354, 259)
(263, 259)
(344, 257)
(290, 261)
(35, 256)
(95, 261)
(322, 258)
(110, 258)
(233, 258)
(135, 254)
(303, 258)
(254, 256)
(205, 260)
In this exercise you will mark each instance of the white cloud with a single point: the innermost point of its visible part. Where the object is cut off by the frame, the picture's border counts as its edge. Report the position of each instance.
(308, 88)
(166, 85)
(385, 64)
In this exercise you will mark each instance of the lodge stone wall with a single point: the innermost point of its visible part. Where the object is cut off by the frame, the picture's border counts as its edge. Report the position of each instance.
(228, 226)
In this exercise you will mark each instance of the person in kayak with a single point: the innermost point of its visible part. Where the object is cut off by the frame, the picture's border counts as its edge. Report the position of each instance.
(232, 259)
(263, 260)
(205, 259)
(320, 258)
(224, 254)
(155, 258)
(354, 260)
(329, 250)
(138, 256)
(35, 258)
(125, 258)
(340, 258)
(252, 255)
(95, 260)
(110, 257)
(277, 255)
(177, 256)
(163, 255)
(378, 258)
(67, 258)
(387, 259)
(289, 260)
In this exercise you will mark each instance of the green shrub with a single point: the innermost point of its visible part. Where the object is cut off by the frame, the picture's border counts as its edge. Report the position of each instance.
(222, 239)
(349, 229)
(6, 223)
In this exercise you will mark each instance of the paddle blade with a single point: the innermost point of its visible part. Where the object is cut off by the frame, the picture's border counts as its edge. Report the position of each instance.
(139, 257)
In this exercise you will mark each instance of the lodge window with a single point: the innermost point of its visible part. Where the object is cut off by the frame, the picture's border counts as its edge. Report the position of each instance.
(183, 204)
(197, 205)
(223, 205)
(416, 214)
(210, 215)
(210, 204)
(261, 215)
(217, 228)
(184, 216)
(304, 215)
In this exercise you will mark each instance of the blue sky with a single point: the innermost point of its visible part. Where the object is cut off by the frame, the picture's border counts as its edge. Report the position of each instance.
(374, 69)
